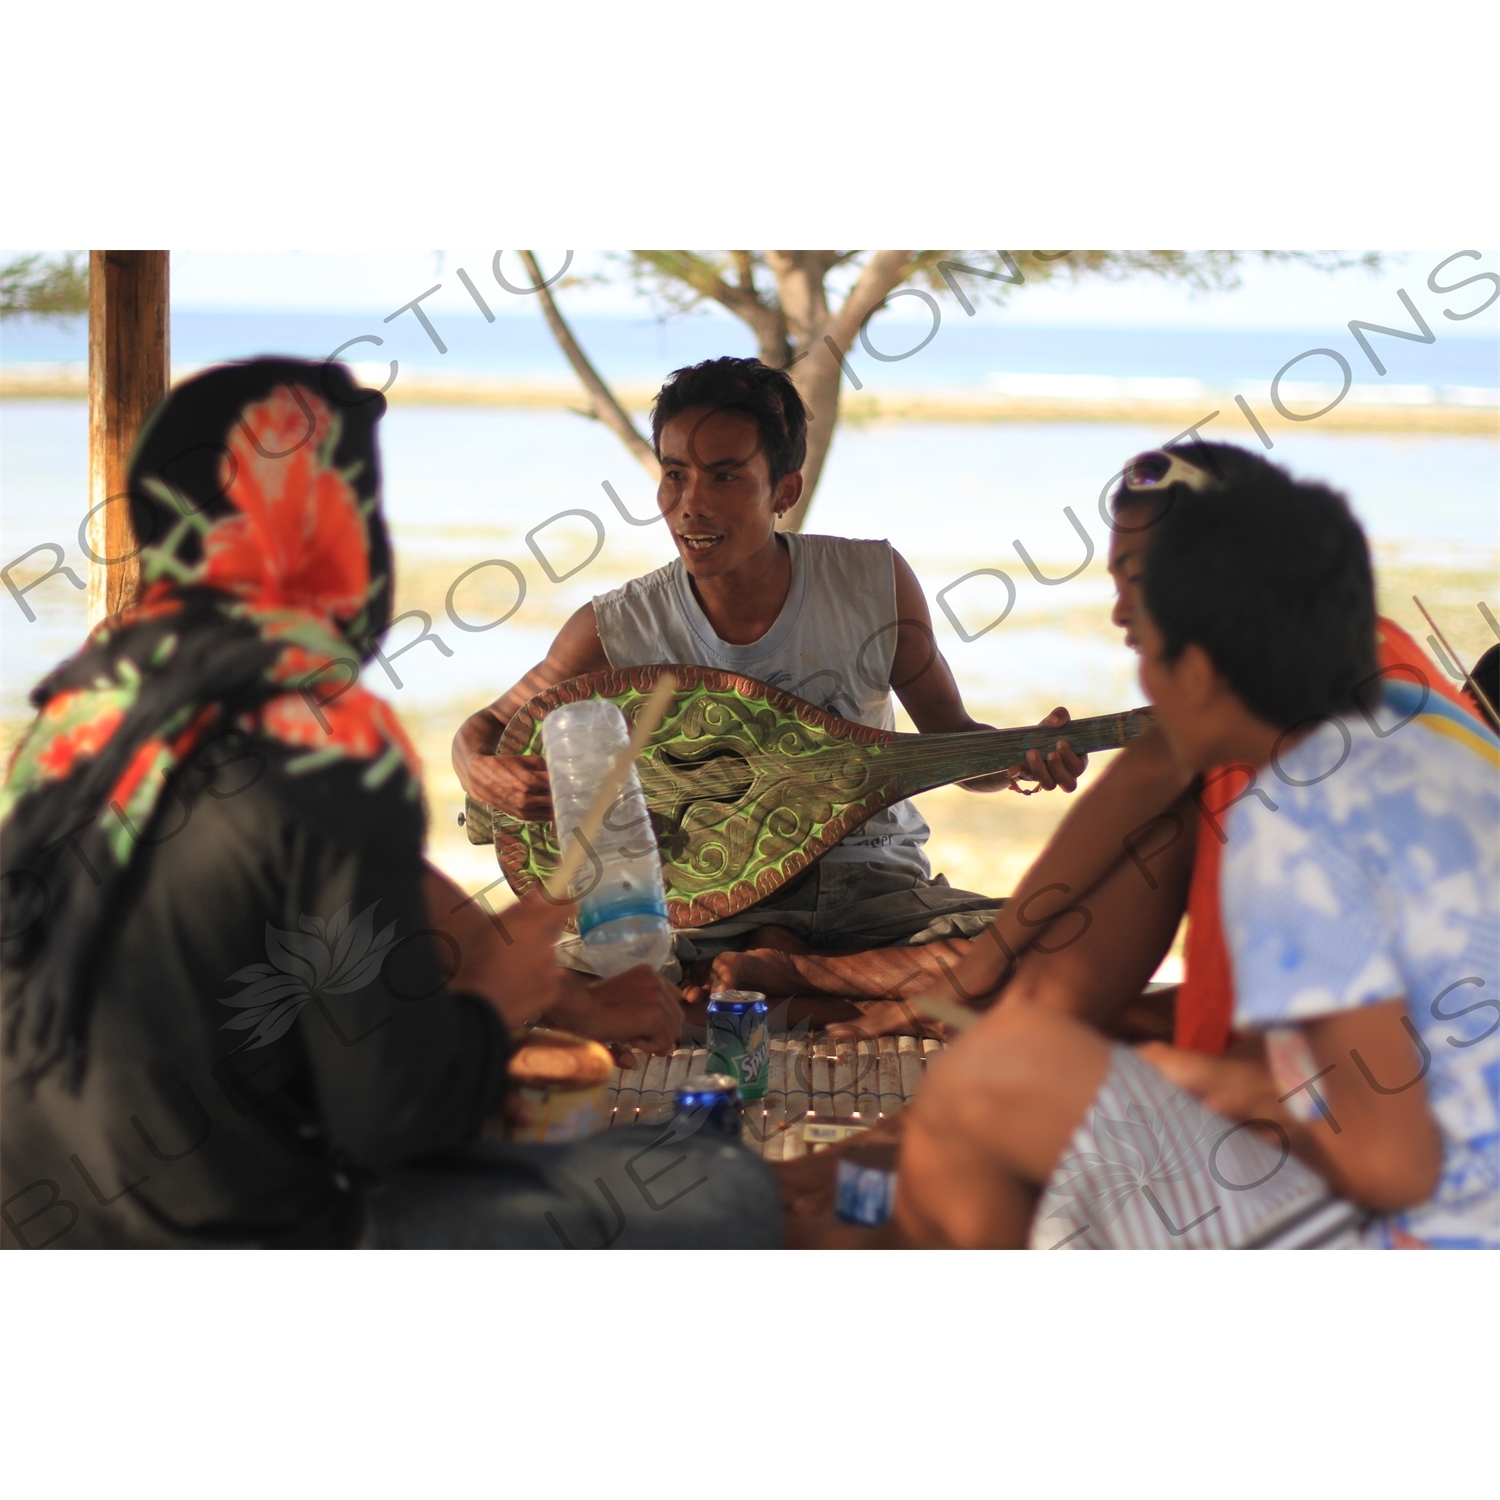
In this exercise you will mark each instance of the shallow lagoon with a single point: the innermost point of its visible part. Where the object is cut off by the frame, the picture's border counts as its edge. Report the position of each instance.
(466, 485)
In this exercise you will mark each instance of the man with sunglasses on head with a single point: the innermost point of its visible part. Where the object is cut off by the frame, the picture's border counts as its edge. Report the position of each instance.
(1092, 919)
(839, 622)
(1360, 892)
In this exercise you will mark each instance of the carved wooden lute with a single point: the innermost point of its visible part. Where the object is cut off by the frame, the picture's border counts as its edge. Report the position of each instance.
(747, 786)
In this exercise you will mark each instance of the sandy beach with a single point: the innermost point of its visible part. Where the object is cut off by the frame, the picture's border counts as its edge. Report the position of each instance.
(1361, 411)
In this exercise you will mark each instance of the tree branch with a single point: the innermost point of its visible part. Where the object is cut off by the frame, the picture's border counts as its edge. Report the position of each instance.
(44, 287)
(791, 322)
(697, 273)
(882, 274)
(767, 323)
(606, 407)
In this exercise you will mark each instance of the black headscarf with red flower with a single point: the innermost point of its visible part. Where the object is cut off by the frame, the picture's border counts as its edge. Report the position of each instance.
(267, 581)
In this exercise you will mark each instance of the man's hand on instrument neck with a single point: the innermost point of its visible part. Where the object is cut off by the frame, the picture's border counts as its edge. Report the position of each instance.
(1060, 767)
(1044, 771)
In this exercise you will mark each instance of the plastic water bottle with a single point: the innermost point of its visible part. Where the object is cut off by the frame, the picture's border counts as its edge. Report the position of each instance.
(622, 905)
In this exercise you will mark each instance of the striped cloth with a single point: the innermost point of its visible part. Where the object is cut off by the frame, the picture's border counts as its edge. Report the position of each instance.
(1150, 1168)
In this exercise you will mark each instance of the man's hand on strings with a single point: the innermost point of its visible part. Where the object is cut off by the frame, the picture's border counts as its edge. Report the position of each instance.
(516, 784)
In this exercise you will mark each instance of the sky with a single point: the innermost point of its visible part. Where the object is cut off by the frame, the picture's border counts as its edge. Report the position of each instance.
(1277, 296)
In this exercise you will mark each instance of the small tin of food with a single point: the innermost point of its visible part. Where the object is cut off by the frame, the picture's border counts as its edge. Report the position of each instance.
(822, 1131)
(865, 1189)
(718, 1096)
(739, 1039)
(562, 1081)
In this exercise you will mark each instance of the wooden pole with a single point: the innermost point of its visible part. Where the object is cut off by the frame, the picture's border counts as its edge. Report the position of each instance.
(129, 372)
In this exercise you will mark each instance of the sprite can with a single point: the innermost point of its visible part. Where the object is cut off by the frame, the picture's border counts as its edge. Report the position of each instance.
(739, 1042)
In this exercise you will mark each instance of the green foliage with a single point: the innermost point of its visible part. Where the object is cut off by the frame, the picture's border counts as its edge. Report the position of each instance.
(42, 286)
(1203, 270)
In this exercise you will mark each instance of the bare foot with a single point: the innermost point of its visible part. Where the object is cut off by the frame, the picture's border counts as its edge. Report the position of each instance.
(771, 971)
(700, 979)
(782, 939)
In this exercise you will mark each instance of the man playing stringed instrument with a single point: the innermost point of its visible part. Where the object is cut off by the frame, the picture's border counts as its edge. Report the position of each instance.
(838, 622)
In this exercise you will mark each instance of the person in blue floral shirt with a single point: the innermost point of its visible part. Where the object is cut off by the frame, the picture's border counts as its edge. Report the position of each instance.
(1360, 1105)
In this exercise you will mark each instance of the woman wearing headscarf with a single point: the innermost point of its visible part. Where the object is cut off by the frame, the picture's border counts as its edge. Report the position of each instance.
(238, 1008)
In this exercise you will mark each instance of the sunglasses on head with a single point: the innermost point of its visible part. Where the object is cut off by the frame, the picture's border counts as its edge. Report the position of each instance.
(1162, 468)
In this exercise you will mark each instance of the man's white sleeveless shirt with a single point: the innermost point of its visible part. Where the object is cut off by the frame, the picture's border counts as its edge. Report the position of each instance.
(832, 644)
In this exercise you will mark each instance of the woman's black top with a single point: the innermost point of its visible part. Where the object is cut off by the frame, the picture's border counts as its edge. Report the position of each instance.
(290, 907)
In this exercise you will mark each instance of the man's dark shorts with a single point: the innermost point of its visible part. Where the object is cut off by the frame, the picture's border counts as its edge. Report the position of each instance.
(849, 906)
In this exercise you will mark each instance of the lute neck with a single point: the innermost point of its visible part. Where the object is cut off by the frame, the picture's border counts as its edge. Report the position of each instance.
(925, 761)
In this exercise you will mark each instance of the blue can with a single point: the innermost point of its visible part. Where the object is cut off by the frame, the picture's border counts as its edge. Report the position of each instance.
(718, 1096)
(739, 1039)
(865, 1188)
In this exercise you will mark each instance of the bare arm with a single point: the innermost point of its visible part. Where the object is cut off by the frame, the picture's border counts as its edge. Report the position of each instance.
(922, 679)
(1379, 1147)
(1129, 807)
(511, 960)
(514, 967)
(1389, 1152)
(517, 784)
(636, 1009)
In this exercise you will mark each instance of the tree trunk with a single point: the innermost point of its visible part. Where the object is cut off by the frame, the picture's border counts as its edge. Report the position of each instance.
(817, 370)
(799, 334)
(129, 372)
(817, 378)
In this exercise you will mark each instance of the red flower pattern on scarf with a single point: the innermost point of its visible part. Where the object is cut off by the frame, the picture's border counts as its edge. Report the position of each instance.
(300, 545)
(361, 728)
(327, 713)
(299, 541)
(82, 741)
(157, 748)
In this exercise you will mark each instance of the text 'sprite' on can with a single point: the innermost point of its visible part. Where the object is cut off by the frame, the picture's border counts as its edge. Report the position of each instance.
(717, 1096)
(739, 1039)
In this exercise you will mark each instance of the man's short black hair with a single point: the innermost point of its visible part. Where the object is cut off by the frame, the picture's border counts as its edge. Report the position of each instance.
(1271, 577)
(746, 385)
